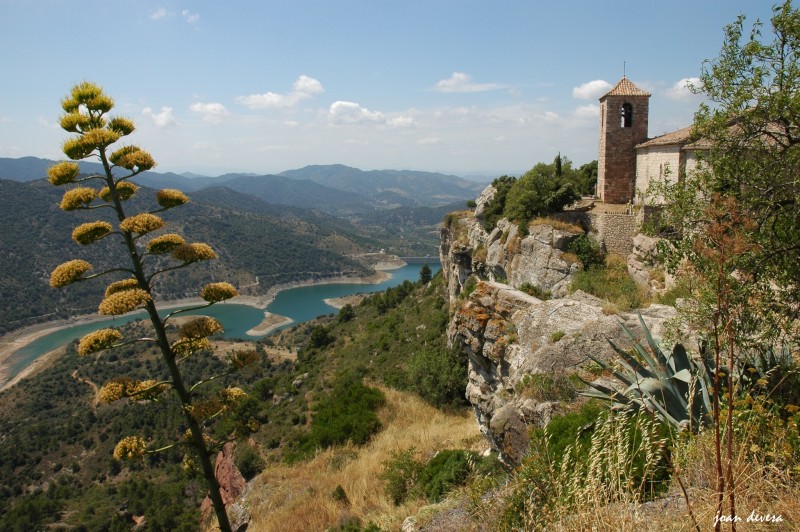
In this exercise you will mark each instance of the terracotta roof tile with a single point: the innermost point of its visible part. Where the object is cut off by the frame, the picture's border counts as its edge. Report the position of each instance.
(625, 88)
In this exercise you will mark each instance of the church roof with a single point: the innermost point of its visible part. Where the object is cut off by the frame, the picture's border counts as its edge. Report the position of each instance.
(624, 87)
(681, 137)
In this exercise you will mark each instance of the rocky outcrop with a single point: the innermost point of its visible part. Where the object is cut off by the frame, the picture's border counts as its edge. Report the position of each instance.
(538, 259)
(231, 486)
(508, 335)
(646, 268)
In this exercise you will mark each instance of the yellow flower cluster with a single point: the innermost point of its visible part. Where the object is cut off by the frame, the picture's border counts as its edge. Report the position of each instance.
(165, 243)
(119, 286)
(62, 173)
(132, 158)
(75, 122)
(114, 390)
(194, 252)
(147, 390)
(89, 94)
(188, 346)
(232, 396)
(77, 198)
(68, 273)
(123, 302)
(89, 141)
(91, 232)
(121, 125)
(125, 191)
(142, 223)
(200, 328)
(242, 359)
(170, 197)
(98, 341)
(130, 448)
(216, 292)
(205, 409)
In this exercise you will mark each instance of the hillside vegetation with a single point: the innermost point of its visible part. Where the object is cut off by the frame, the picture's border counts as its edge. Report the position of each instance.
(361, 366)
(260, 249)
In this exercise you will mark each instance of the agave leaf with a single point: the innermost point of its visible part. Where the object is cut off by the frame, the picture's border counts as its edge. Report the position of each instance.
(664, 414)
(633, 365)
(654, 345)
(624, 378)
(637, 366)
(598, 391)
(652, 364)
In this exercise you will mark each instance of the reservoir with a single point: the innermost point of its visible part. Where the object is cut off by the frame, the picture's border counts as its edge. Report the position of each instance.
(300, 304)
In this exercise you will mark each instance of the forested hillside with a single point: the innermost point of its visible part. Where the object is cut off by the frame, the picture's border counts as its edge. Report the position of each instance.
(254, 247)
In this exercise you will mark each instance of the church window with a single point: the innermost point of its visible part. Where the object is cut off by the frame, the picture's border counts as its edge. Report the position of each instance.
(626, 115)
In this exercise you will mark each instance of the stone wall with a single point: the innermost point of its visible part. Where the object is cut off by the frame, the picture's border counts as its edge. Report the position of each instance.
(614, 230)
(654, 164)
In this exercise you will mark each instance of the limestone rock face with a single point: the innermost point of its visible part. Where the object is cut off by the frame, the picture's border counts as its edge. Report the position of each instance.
(481, 201)
(231, 484)
(508, 334)
(644, 265)
(537, 259)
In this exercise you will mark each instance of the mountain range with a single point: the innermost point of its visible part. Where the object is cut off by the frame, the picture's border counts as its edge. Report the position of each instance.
(334, 189)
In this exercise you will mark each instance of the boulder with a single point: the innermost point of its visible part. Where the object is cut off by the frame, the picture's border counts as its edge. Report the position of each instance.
(508, 334)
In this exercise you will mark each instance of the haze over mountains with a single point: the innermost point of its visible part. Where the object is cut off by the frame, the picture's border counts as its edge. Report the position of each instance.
(334, 189)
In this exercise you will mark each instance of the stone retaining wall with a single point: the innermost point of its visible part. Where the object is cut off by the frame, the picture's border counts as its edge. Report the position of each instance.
(615, 231)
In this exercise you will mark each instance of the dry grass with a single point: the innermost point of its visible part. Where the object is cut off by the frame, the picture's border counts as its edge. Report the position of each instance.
(558, 225)
(299, 497)
(762, 489)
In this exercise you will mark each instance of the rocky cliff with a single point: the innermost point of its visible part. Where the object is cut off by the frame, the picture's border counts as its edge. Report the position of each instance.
(517, 344)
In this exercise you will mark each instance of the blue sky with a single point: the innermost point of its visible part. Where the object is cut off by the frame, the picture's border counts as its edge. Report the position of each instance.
(455, 86)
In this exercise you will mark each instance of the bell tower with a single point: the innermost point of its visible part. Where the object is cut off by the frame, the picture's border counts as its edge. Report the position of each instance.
(623, 124)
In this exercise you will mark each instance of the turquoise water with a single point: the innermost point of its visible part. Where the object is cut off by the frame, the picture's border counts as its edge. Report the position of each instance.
(299, 304)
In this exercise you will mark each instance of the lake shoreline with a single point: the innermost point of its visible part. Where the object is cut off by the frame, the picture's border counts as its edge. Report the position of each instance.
(11, 342)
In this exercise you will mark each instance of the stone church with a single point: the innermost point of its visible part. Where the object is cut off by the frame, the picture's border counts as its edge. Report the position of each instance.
(628, 160)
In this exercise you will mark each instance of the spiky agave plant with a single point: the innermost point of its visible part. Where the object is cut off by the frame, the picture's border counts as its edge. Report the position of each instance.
(670, 384)
(86, 109)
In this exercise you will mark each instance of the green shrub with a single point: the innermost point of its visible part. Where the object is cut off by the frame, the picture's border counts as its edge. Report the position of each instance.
(545, 387)
(556, 336)
(535, 291)
(248, 461)
(469, 286)
(612, 283)
(400, 474)
(447, 470)
(587, 250)
(439, 376)
(347, 414)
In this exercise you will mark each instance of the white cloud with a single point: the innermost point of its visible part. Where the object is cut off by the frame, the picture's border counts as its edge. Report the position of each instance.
(162, 119)
(587, 111)
(591, 90)
(308, 86)
(190, 17)
(303, 88)
(681, 90)
(401, 121)
(211, 112)
(158, 14)
(462, 82)
(430, 141)
(341, 112)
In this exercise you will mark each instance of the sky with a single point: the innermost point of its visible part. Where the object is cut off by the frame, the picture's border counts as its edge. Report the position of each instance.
(465, 87)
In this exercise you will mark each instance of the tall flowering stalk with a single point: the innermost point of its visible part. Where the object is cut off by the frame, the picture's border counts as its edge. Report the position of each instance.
(86, 111)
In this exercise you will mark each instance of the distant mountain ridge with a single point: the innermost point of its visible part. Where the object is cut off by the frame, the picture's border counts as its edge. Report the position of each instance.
(335, 189)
